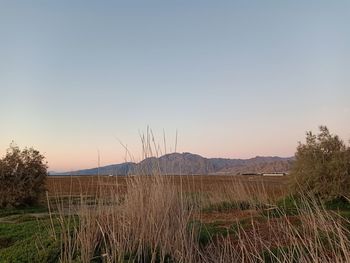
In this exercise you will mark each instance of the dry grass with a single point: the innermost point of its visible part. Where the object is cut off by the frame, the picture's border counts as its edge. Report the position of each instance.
(163, 219)
(213, 185)
(153, 218)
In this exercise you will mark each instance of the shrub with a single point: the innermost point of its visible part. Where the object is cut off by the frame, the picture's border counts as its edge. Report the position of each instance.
(22, 176)
(322, 166)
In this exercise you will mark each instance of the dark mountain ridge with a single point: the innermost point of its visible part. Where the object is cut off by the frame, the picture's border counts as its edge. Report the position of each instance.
(191, 164)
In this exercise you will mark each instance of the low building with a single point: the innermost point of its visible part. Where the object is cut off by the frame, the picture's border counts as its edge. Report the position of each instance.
(274, 174)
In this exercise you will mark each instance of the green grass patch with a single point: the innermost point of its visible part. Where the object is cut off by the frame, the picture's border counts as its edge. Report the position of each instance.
(287, 206)
(339, 203)
(22, 210)
(208, 232)
(281, 254)
(28, 241)
(205, 233)
(344, 213)
(228, 205)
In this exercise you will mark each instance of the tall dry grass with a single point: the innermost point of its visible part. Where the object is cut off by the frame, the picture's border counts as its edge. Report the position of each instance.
(147, 223)
(150, 221)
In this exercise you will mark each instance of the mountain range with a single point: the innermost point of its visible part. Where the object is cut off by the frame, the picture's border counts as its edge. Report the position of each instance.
(191, 164)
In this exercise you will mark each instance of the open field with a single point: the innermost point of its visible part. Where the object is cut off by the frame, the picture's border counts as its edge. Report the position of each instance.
(274, 187)
(174, 219)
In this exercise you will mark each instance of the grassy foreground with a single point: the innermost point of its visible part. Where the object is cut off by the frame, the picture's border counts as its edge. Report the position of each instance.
(182, 219)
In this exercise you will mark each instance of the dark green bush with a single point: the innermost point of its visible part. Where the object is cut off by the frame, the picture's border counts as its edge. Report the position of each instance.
(22, 177)
(322, 167)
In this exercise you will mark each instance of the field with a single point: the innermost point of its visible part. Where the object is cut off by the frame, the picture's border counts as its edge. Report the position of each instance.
(91, 185)
(174, 219)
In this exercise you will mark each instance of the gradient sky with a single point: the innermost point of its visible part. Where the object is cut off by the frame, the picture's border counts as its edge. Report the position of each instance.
(235, 78)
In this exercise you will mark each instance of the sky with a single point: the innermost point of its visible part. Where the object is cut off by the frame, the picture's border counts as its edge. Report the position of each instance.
(234, 79)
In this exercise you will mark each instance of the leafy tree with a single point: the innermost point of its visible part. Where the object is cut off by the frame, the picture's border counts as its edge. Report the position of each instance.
(322, 166)
(22, 176)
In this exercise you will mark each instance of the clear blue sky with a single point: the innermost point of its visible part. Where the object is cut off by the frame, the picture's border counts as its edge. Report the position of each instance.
(236, 78)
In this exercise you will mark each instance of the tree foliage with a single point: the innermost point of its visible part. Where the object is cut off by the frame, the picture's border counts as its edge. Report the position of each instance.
(22, 176)
(322, 166)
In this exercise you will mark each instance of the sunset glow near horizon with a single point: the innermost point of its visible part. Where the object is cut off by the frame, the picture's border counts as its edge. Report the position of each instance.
(236, 79)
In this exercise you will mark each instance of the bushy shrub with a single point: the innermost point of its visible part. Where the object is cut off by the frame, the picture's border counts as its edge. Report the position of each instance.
(322, 166)
(22, 176)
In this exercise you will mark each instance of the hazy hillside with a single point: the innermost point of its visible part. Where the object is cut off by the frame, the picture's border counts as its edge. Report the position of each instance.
(177, 163)
(283, 165)
(188, 163)
(115, 169)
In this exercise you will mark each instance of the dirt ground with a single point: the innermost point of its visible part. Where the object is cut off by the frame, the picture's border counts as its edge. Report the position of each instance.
(90, 185)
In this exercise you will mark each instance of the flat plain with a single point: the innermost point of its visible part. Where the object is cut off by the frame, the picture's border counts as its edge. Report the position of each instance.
(208, 218)
(272, 186)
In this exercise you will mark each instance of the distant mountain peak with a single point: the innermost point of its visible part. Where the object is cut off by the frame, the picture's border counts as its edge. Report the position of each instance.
(188, 163)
